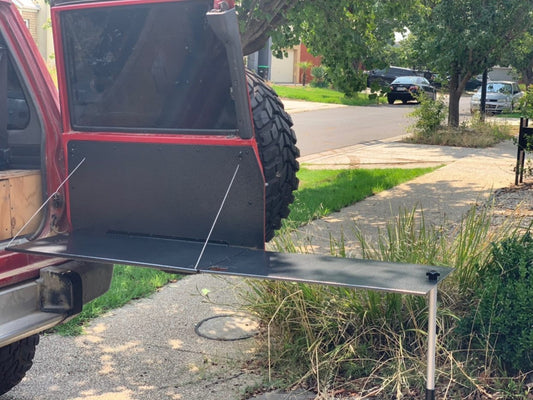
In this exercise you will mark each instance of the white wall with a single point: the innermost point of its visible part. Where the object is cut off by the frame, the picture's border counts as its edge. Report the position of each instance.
(282, 70)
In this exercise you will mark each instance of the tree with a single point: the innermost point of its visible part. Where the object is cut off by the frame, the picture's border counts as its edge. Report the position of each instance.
(305, 66)
(461, 38)
(259, 18)
(520, 56)
(349, 35)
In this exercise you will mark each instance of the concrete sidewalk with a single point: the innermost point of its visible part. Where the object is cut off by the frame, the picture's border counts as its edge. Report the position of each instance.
(468, 177)
(149, 349)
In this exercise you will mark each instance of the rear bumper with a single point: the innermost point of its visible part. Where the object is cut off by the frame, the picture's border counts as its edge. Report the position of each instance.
(404, 96)
(59, 293)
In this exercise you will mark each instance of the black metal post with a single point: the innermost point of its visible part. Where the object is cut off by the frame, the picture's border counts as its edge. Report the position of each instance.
(483, 105)
(523, 134)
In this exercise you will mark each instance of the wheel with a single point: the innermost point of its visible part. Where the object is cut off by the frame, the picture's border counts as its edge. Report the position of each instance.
(15, 360)
(390, 100)
(277, 150)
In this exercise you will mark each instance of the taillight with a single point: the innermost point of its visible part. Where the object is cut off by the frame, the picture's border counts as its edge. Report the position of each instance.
(413, 88)
(391, 88)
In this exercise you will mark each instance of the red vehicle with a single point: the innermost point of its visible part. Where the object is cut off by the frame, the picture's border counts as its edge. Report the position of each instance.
(160, 150)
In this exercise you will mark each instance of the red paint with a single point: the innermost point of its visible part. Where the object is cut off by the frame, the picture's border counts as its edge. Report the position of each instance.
(218, 4)
(48, 104)
(18, 267)
(45, 98)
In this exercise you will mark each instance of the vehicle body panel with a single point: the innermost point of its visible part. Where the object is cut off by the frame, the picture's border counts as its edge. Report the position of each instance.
(36, 292)
(42, 94)
(144, 161)
(501, 96)
(407, 88)
(387, 75)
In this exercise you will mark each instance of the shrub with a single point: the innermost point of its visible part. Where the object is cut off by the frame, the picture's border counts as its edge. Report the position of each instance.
(474, 133)
(502, 321)
(347, 80)
(319, 77)
(362, 340)
(429, 116)
(526, 104)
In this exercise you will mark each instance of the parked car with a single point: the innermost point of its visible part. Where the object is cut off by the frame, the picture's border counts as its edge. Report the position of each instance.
(385, 76)
(407, 88)
(473, 84)
(501, 96)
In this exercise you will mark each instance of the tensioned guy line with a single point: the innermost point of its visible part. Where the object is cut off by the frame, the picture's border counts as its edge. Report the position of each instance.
(47, 201)
(216, 218)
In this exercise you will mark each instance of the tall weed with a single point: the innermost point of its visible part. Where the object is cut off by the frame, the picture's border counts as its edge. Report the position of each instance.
(374, 343)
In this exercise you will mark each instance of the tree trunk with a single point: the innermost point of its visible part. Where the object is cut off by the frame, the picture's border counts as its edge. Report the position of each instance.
(482, 106)
(527, 74)
(457, 85)
(453, 106)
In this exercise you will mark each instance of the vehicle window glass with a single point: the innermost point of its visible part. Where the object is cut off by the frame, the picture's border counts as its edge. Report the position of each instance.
(411, 80)
(18, 113)
(498, 88)
(151, 67)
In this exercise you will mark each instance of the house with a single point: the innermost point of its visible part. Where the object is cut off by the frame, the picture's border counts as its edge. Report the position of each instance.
(287, 70)
(36, 15)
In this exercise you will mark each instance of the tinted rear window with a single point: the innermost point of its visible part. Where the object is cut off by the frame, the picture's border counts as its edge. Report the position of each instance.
(154, 67)
(411, 80)
(401, 72)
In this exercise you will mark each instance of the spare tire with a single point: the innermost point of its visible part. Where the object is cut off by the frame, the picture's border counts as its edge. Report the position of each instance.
(15, 360)
(276, 142)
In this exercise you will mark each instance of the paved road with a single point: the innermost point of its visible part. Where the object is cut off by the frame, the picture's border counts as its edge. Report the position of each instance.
(334, 128)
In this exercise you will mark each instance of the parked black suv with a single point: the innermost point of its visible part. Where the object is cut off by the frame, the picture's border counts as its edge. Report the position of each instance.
(385, 76)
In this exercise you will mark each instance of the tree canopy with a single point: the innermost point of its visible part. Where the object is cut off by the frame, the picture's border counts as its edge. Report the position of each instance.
(258, 19)
(519, 54)
(461, 38)
(458, 39)
(350, 35)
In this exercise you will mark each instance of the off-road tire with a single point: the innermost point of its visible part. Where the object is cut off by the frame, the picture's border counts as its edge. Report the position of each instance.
(15, 360)
(276, 142)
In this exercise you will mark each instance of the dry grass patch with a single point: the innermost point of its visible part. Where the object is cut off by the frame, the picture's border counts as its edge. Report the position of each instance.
(477, 134)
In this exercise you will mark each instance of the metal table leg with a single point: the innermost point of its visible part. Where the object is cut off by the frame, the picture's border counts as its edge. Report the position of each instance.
(432, 343)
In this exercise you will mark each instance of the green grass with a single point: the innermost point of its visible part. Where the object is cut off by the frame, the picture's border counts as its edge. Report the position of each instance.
(129, 283)
(322, 192)
(321, 95)
(514, 114)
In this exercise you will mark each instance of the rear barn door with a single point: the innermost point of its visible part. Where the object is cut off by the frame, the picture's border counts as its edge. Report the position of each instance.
(153, 135)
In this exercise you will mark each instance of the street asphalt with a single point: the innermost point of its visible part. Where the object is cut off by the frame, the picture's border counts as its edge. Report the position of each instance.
(173, 345)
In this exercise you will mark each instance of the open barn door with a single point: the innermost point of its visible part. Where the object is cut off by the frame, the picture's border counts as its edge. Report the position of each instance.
(158, 135)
